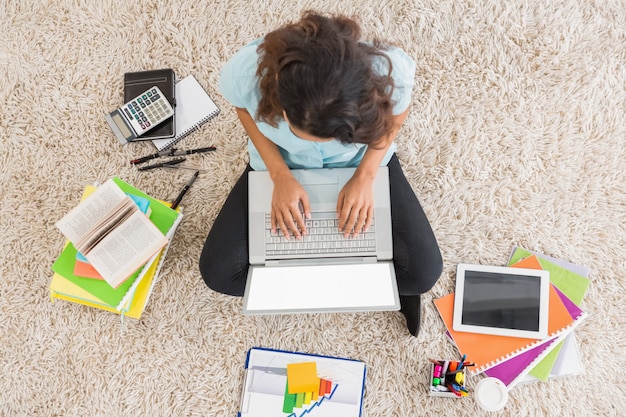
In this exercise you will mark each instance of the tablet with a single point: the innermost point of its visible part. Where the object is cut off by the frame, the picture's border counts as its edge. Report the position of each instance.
(502, 301)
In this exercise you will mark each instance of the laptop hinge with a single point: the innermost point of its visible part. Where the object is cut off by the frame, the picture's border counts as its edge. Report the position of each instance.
(322, 261)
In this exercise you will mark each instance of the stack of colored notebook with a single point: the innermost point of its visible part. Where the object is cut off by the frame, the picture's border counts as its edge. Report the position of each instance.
(514, 360)
(75, 280)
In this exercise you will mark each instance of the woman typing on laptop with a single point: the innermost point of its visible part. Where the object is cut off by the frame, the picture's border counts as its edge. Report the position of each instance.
(313, 95)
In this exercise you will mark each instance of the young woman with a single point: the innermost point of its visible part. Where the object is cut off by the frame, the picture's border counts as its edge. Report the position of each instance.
(312, 94)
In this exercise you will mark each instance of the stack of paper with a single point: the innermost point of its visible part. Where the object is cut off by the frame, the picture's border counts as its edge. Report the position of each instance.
(131, 296)
(516, 360)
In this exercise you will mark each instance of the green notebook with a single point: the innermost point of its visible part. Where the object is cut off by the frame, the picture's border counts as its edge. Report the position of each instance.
(573, 285)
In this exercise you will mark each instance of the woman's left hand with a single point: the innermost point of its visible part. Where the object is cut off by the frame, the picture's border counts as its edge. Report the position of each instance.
(355, 206)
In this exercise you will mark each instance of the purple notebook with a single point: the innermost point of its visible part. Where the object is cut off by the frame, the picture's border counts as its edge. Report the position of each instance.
(509, 370)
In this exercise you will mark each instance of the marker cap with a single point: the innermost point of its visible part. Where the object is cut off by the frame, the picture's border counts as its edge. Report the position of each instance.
(491, 394)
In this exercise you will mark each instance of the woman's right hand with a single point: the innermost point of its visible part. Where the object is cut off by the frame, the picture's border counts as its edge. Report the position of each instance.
(290, 206)
(289, 200)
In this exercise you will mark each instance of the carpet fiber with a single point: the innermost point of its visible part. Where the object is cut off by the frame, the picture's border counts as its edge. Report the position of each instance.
(516, 137)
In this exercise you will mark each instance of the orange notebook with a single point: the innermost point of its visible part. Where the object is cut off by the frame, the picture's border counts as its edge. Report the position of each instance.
(486, 350)
(86, 270)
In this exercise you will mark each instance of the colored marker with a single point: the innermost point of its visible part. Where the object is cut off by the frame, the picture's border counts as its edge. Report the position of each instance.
(446, 365)
(461, 363)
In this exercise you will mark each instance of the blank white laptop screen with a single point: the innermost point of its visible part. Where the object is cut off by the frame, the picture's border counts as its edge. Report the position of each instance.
(321, 288)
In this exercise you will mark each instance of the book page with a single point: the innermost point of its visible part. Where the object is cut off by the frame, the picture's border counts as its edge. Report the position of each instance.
(105, 226)
(127, 248)
(82, 219)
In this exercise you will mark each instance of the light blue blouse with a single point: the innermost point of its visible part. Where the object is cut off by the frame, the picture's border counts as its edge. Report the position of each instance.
(240, 86)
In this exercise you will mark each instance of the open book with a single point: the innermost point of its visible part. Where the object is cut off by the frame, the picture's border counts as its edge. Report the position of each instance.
(112, 233)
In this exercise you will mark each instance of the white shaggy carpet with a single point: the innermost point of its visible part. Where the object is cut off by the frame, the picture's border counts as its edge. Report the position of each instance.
(516, 137)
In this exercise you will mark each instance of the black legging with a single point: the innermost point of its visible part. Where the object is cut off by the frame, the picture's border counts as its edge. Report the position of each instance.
(416, 255)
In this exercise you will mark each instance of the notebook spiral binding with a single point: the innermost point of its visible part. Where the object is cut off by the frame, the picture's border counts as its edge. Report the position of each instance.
(191, 129)
(577, 320)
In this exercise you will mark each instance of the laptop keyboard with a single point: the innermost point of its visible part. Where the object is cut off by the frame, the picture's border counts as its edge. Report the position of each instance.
(323, 237)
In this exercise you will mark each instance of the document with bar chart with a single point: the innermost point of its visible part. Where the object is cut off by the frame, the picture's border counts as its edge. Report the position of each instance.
(278, 383)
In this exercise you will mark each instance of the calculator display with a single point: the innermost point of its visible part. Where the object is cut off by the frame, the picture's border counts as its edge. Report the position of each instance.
(121, 125)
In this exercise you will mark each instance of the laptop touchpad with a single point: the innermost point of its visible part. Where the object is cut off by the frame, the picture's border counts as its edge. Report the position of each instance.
(320, 187)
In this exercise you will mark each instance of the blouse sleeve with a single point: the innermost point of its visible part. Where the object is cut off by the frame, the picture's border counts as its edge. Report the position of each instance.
(403, 75)
(238, 82)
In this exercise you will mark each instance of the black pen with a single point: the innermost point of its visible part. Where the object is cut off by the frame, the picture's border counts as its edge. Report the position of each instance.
(164, 152)
(162, 164)
(192, 151)
(184, 190)
(183, 167)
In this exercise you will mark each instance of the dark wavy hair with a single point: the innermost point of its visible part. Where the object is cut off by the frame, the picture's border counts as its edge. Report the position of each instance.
(319, 72)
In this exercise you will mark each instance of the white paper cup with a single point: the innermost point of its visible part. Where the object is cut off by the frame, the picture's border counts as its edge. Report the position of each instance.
(491, 394)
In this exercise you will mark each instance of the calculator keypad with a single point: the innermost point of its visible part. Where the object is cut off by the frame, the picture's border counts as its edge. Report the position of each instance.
(148, 110)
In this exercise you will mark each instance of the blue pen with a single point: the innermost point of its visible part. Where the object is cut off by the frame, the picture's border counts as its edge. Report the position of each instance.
(461, 363)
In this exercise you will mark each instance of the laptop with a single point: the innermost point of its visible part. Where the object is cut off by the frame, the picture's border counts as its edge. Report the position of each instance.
(323, 272)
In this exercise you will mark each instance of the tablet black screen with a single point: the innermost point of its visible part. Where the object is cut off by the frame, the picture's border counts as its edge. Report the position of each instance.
(501, 300)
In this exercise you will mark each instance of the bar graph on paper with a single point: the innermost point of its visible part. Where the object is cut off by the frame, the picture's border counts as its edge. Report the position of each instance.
(304, 390)
(301, 386)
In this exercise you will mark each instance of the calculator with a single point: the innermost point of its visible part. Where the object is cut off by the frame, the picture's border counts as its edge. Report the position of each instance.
(139, 115)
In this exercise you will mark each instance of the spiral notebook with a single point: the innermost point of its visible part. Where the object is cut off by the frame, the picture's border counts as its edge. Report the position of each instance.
(514, 370)
(194, 107)
(487, 351)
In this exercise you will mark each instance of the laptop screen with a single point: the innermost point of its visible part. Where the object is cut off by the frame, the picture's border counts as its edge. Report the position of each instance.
(321, 288)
